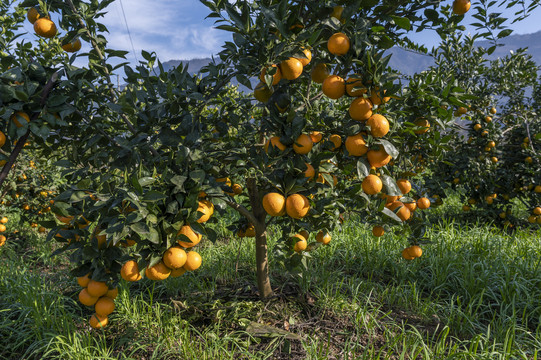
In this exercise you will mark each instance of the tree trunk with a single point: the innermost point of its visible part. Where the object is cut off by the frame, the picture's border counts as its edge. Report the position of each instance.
(261, 253)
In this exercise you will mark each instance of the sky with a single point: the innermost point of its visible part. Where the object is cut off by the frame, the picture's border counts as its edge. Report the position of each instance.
(178, 30)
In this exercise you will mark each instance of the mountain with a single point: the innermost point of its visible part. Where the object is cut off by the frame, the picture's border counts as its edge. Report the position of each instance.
(409, 62)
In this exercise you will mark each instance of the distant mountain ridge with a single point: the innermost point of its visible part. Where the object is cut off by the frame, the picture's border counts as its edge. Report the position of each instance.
(409, 62)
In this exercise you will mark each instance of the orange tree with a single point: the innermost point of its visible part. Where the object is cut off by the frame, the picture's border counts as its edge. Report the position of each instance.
(146, 166)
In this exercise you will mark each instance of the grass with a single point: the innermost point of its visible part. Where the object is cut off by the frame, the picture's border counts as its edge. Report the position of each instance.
(474, 294)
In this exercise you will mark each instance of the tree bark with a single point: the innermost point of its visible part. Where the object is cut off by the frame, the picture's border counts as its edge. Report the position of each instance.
(261, 253)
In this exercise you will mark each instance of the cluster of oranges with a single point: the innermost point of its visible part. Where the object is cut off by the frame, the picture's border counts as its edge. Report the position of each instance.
(46, 28)
(98, 295)
(3, 222)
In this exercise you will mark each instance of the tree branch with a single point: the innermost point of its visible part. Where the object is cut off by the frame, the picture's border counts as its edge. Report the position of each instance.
(242, 210)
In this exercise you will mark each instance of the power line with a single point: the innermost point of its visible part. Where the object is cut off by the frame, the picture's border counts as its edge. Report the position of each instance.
(129, 33)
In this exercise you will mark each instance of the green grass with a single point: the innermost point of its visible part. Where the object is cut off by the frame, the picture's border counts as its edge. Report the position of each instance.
(474, 294)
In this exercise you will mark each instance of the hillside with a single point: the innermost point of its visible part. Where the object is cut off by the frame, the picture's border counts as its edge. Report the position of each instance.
(409, 62)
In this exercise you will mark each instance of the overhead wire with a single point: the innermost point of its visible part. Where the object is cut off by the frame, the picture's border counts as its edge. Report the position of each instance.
(128, 30)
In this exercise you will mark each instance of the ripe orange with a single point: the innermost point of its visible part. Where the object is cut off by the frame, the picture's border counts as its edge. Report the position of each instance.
(389, 199)
(412, 206)
(355, 145)
(334, 87)
(98, 322)
(275, 78)
(372, 184)
(310, 172)
(274, 204)
(377, 99)
(316, 136)
(45, 28)
(378, 158)
(104, 306)
(177, 272)
(320, 73)
(406, 255)
(291, 68)
(112, 293)
(404, 213)
(305, 234)
(460, 7)
(157, 272)
(425, 126)
(306, 61)
(174, 257)
(32, 15)
(494, 159)
(423, 203)
(537, 210)
(97, 288)
(262, 92)
(72, 46)
(86, 299)
(415, 251)
(336, 140)
(488, 119)
(493, 111)
(207, 208)
(194, 237)
(297, 206)
(404, 185)
(2, 139)
(83, 280)
(300, 245)
(355, 82)
(379, 126)
(378, 231)
(4, 220)
(237, 189)
(537, 189)
(360, 109)
(2, 228)
(250, 231)
(193, 261)
(130, 271)
(338, 44)
(19, 114)
(324, 238)
(275, 143)
(303, 144)
(2, 240)
(337, 13)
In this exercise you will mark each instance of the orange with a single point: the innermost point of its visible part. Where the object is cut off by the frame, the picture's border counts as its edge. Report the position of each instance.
(404, 213)
(324, 238)
(291, 68)
(300, 245)
(72, 46)
(4, 220)
(378, 158)
(337, 13)
(174, 257)
(275, 143)
(297, 206)
(389, 199)
(494, 159)
(310, 172)
(64, 219)
(376, 98)
(424, 124)
(97, 288)
(488, 119)
(237, 189)
(415, 251)
(250, 231)
(316, 136)
(360, 109)
(104, 306)
(303, 144)
(157, 272)
(334, 87)
(2, 139)
(379, 126)
(355, 82)
(130, 271)
(275, 78)
(207, 208)
(305, 234)
(355, 145)
(225, 180)
(45, 28)
(338, 44)
(537, 210)
(19, 114)
(491, 144)
(462, 110)
(537, 189)
(86, 299)
(2, 228)
(404, 185)
(320, 73)
(308, 54)
(83, 280)
(262, 92)
(466, 208)
(112, 293)
(2, 240)
(493, 111)
(194, 237)
(98, 322)
(274, 204)
(32, 15)
(460, 7)
(372, 184)
(423, 203)
(177, 272)
(336, 140)
(193, 261)
(378, 231)
(406, 255)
